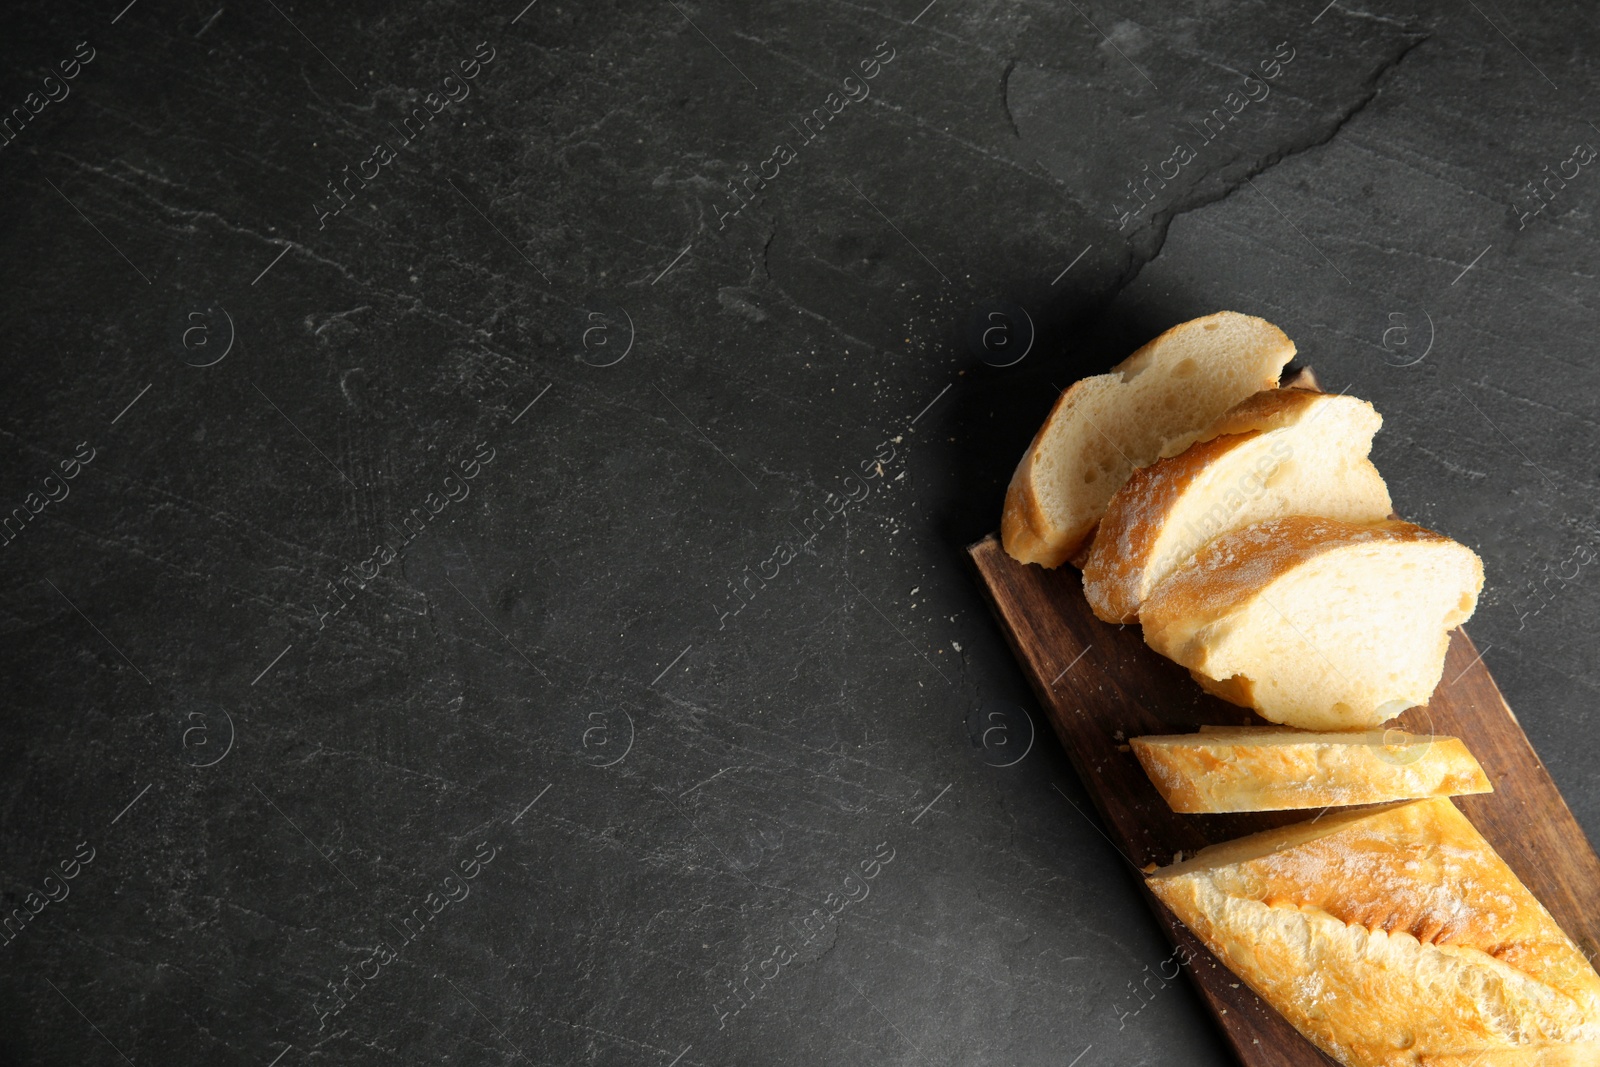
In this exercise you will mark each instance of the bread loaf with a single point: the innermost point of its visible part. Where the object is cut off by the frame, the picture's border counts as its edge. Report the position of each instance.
(1271, 768)
(1317, 623)
(1279, 452)
(1392, 937)
(1153, 403)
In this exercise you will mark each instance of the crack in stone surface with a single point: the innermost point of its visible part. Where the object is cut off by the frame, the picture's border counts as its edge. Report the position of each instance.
(1155, 231)
(1194, 200)
(1005, 97)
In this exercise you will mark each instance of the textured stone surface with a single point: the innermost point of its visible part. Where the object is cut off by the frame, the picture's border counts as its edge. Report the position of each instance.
(703, 777)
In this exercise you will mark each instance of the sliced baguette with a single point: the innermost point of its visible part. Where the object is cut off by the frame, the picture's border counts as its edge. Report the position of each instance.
(1272, 768)
(1279, 452)
(1152, 404)
(1392, 937)
(1317, 623)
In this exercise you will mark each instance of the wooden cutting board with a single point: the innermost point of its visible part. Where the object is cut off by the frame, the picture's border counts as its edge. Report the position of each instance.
(1101, 684)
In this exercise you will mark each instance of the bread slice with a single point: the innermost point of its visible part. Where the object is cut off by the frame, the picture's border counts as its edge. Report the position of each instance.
(1150, 405)
(1279, 452)
(1392, 936)
(1271, 768)
(1317, 623)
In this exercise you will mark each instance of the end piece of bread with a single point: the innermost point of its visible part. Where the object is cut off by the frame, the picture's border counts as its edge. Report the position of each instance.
(1392, 937)
(1152, 404)
(1273, 768)
(1276, 453)
(1317, 623)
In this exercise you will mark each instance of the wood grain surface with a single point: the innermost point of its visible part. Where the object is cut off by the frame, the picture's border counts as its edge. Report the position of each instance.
(1101, 684)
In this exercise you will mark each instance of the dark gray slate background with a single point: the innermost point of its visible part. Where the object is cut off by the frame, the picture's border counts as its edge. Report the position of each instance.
(557, 672)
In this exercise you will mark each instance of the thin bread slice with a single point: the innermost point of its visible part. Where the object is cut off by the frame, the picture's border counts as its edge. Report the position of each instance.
(1278, 452)
(1273, 768)
(1391, 937)
(1317, 623)
(1152, 404)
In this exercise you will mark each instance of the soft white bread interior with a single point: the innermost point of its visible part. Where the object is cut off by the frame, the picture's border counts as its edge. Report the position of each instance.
(1392, 937)
(1152, 404)
(1317, 623)
(1272, 768)
(1279, 452)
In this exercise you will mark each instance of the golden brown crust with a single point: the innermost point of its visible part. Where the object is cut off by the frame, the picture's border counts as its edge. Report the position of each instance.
(1233, 567)
(1578, 1054)
(1025, 531)
(1020, 526)
(1135, 521)
(1390, 937)
(1273, 768)
(1265, 410)
(1118, 573)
